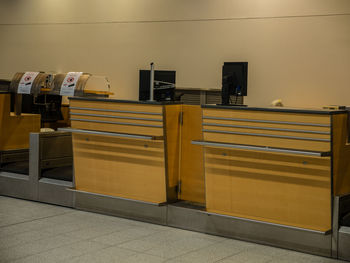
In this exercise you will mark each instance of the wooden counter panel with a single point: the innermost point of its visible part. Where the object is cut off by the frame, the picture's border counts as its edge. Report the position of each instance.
(172, 135)
(117, 115)
(277, 188)
(341, 155)
(114, 120)
(271, 116)
(14, 130)
(268, 141)
(208, 128)
(256, 125)
(192, 165)
(127, 168)
(117, 128)
(143, 108)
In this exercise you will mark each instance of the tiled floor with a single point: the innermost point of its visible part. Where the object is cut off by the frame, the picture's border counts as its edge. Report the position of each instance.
(36, 232)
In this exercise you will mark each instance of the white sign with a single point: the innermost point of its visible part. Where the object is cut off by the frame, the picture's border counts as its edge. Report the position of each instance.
(26, 82)
(69, 83)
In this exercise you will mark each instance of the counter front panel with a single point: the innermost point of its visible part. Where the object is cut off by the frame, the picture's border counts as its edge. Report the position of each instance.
(273, 129)
(129, 168)
(273, 166)
(117, 117)
(126, 149)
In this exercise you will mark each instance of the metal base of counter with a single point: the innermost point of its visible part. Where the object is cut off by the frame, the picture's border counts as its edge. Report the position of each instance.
(116, 206)
(16, 185)
(15, 180)
(197, 219)
(55, 192)
(303, 240)
(48, 152)
(52, 150)
(344, 243)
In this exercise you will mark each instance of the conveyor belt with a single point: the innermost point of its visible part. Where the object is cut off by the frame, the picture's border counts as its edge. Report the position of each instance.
(64, 173)
(21, 167)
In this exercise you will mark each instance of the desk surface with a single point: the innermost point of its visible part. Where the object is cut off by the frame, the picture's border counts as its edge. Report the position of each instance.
(126, 101)
(276, 109)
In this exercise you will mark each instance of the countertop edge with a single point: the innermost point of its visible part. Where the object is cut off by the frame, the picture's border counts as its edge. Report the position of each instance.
(127, 101)
(287, 110)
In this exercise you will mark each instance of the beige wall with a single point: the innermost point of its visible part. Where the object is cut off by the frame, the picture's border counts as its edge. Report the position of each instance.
(298, 50)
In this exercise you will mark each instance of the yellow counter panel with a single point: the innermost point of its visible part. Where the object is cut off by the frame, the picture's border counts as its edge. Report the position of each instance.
(130, 149)
(14, 130)
(275, 166)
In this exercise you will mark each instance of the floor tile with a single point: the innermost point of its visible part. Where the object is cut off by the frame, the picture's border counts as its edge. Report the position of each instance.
(36, 232)
(247, 257)
(8, 241)
(124, 235)
(144, 258)
(174, 248)
(292, 256)
(209, 254)
(65, 252)
(32, 248)
(108, 255)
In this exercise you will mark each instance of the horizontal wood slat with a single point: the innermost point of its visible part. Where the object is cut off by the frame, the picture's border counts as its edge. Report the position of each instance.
(147, 108)
(269, 142)
(269, 116)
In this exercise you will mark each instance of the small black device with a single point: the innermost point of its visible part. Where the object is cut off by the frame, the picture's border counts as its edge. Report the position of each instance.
(234, 80)
(164, 85)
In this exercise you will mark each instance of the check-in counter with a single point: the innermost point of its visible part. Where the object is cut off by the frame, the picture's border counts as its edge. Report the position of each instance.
(277, 165)
(126, 149)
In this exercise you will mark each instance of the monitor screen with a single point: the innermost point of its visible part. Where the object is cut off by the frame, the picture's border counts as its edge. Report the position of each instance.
(234, 80)
(162, 87)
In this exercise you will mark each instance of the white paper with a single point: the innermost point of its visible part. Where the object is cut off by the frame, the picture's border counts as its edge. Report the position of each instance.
(69, 83)
(26, 82)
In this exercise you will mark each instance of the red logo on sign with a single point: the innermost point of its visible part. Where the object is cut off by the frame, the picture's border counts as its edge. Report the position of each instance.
(70, 79)
(27, 78)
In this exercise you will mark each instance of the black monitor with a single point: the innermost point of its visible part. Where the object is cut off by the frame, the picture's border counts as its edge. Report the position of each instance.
(234, 80)
(164, 85)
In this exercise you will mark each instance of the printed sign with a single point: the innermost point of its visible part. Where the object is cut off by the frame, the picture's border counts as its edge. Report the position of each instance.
(26, 82)
(69, 83)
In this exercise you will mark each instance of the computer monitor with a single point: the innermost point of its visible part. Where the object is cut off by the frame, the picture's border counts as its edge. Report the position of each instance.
(164, 85)
(234, 80)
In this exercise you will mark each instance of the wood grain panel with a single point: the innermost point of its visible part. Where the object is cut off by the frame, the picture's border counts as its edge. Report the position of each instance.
(126, 168)
(266, 141)
(122, 115)
(117, 128)
(341, 155)
(271, 116)
(14, 130)
(192, 165)
(292, 190)
(269, 132)
(110, 105)
(268, 125)
(114, 120)
(172, 137)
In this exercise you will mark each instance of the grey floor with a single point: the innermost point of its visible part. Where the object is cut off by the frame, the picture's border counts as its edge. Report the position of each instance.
(36, 232)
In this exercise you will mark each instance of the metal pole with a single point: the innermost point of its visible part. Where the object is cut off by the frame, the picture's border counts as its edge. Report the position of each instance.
(151, 90)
